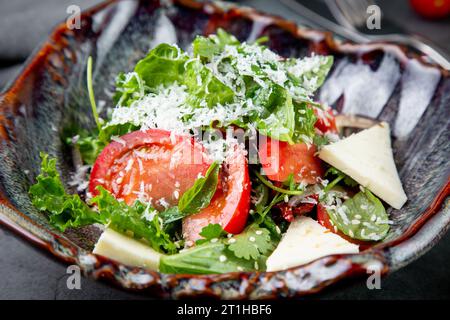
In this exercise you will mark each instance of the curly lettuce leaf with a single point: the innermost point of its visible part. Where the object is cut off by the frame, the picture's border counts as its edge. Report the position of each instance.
(65, 210)
(69, 211)
(136, 220)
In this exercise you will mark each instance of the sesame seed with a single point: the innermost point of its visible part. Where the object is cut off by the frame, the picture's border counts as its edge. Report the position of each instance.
(350, 233)
(214, 240)
(252, 239)
(258, 232)
(231, 240)
(222, 258)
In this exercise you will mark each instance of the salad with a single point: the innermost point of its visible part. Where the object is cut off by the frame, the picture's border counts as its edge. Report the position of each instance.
(219, 160)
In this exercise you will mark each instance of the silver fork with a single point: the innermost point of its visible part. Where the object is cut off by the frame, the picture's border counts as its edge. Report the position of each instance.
(352, 15)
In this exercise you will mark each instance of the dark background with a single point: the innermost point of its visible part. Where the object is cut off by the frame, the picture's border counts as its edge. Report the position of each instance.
(27, 273)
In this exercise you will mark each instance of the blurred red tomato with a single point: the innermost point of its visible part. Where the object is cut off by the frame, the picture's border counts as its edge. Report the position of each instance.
(431, 9)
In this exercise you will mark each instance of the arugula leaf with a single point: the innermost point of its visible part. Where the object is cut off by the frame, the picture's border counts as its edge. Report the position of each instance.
(362, 217)
(252, 243)
(304, 123)
(207, 47)
(65, 211)
(309, 72)
(200, 194)
(162, 66)
(129, 88)
(201, 83)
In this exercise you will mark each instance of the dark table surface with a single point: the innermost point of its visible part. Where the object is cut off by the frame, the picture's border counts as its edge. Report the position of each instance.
(28, 273)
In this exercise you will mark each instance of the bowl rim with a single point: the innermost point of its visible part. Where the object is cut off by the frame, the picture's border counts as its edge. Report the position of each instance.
(99, 267)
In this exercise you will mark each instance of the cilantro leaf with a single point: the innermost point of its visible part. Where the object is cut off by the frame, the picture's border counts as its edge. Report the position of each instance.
(211, 231)
(251, 243)
(200, 194)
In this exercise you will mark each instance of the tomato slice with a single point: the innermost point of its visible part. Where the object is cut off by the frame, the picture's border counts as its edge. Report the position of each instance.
(152, 166)
(326, 121)
(279, 159)
(230, 204)
(324, 220)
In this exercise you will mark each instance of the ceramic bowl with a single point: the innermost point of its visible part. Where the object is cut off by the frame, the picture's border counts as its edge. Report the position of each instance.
(380, 81)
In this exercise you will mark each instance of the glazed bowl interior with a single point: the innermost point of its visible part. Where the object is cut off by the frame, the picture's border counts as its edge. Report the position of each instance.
(49, 98)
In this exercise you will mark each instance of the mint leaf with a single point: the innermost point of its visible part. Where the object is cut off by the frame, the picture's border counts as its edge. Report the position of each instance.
(362, 217)
(200, 194)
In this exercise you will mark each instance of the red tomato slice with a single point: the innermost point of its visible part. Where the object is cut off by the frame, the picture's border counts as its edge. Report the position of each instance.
(326, 121)
(279, 159)
(324, 220)
(230, 204)
(432, 9)
(150, 165)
